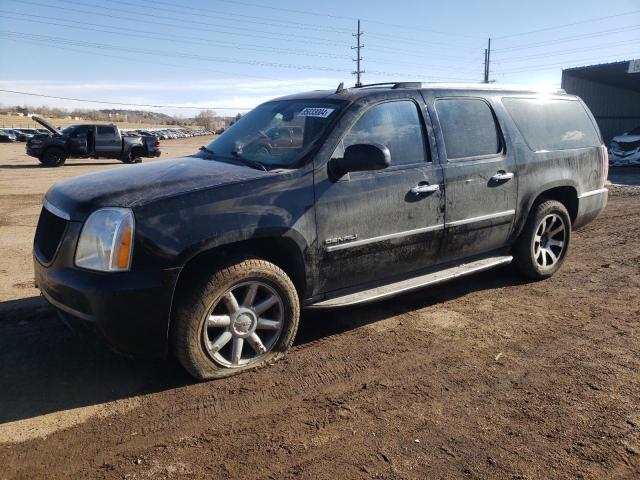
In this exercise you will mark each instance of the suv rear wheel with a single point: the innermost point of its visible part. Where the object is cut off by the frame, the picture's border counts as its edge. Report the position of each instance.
(544, 241)
(53, 157)
(241, 317)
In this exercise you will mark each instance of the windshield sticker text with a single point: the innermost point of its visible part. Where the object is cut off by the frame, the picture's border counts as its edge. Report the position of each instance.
(316, 112)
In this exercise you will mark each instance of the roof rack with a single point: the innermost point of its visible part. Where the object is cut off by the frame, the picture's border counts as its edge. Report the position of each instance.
(393, 85)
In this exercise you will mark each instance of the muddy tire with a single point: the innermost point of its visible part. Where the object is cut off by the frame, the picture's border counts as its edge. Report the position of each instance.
(133, 157)
(53, 157)
(544, 241)
(241, 317)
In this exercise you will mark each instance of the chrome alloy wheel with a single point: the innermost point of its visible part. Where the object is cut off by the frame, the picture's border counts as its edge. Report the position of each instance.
(248, 313)
(549, 241)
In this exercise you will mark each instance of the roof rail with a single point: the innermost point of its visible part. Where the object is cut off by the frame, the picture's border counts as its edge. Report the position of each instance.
(393, 85)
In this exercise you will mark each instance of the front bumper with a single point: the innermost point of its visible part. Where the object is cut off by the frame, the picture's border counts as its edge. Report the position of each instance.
(34, 150)
(130, 310)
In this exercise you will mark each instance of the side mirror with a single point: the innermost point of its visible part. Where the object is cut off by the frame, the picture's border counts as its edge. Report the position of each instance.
(360, 157)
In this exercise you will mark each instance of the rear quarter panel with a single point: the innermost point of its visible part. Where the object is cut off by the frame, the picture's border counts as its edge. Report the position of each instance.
(539, 171)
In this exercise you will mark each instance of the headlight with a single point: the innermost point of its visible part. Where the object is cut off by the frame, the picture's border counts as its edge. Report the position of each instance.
(106, 240)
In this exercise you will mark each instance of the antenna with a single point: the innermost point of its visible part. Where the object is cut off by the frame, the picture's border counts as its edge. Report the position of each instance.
(358, 58)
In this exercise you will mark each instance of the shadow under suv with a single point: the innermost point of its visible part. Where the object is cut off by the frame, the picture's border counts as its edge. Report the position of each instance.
(386, 189)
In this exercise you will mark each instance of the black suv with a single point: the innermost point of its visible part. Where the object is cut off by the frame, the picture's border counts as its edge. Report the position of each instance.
(390, 188)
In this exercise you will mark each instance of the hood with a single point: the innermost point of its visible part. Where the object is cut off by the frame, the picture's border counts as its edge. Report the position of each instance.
(139, 184)
(45, 124)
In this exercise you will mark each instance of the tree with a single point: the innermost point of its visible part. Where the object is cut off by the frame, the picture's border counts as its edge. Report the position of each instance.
(206, 119)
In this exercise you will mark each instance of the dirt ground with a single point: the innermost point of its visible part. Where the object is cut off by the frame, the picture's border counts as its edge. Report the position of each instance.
(486, 377)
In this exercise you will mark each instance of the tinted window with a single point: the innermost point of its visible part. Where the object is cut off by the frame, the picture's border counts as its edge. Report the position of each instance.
(394, 124)
(468, 127)
(106, 130)
(81, 130)
(548, 124)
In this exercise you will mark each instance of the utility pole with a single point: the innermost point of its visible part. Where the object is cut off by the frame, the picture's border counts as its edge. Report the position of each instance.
(358, 58)
(487, 62)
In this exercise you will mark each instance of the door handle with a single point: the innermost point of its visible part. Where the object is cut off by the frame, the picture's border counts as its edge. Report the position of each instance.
(418, 189)
(502, 176)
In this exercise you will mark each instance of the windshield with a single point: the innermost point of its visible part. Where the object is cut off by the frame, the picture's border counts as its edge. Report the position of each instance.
(275, 134)
(635, 131)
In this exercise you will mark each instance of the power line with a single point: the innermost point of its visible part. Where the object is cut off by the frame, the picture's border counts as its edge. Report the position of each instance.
(341, 17)
(581, 22)
(218, 14)
(600, 33)
(85, 100)
(100, 53)
(154, 36)
(413, 40)
(146, 15)
(183, 39)
(47, 41)
(561, 52)
(269, 36)
(173, 54)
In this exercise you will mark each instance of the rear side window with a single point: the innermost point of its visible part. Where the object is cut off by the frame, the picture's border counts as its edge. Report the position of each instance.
(550, 124)
(468, 127)
(106, 131)
(393, 124)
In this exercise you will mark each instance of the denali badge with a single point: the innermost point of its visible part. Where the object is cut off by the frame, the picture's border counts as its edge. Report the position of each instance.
(343, 239)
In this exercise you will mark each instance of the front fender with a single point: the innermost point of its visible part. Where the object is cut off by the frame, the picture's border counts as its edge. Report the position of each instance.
(172, 231)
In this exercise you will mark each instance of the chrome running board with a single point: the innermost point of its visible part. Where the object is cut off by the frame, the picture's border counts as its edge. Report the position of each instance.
(403, 286)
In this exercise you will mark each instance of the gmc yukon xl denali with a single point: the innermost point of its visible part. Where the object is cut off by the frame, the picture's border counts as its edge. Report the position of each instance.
(380, 190)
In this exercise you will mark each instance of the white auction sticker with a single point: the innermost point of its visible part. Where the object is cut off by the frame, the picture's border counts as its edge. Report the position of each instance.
(316, 112)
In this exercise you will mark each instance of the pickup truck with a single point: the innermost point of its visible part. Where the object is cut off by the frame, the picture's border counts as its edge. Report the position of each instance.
(383, 189)
(87, 141)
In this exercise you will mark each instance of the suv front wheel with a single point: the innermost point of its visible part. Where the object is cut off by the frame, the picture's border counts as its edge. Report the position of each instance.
(544, 241)
(241, 317)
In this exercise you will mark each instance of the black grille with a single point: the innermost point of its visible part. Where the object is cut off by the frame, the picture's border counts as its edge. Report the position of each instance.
(48, 234)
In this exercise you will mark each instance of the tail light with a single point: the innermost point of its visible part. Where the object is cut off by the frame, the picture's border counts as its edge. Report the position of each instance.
(157, 144)
(604, 158)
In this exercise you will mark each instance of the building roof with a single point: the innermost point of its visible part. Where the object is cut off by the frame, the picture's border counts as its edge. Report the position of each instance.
(614, 74)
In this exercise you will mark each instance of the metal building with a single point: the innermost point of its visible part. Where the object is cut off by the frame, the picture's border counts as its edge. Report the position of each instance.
(612, 92)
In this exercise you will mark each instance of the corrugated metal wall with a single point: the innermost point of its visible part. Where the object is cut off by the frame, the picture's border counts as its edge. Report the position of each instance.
(616, 110)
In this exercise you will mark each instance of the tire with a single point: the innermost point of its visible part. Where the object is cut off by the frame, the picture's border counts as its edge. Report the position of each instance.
(217, 314)
(132, 157)
(544, 242)
(53, 157)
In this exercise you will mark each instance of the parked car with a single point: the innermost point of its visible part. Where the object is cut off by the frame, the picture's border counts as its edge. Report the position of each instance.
(29, 131)
(20, 137)
(7, 136)
(393, 188)
(150, 142)
(86, 141)
(625, 149)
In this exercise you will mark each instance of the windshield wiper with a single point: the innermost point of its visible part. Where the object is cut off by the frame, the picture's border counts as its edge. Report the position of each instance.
(252, 163)
(205, 149)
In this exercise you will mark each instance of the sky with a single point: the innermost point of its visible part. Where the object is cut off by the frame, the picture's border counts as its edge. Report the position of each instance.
(231, 55)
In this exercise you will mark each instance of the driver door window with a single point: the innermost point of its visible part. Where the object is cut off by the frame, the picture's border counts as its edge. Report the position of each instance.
(394, 124)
